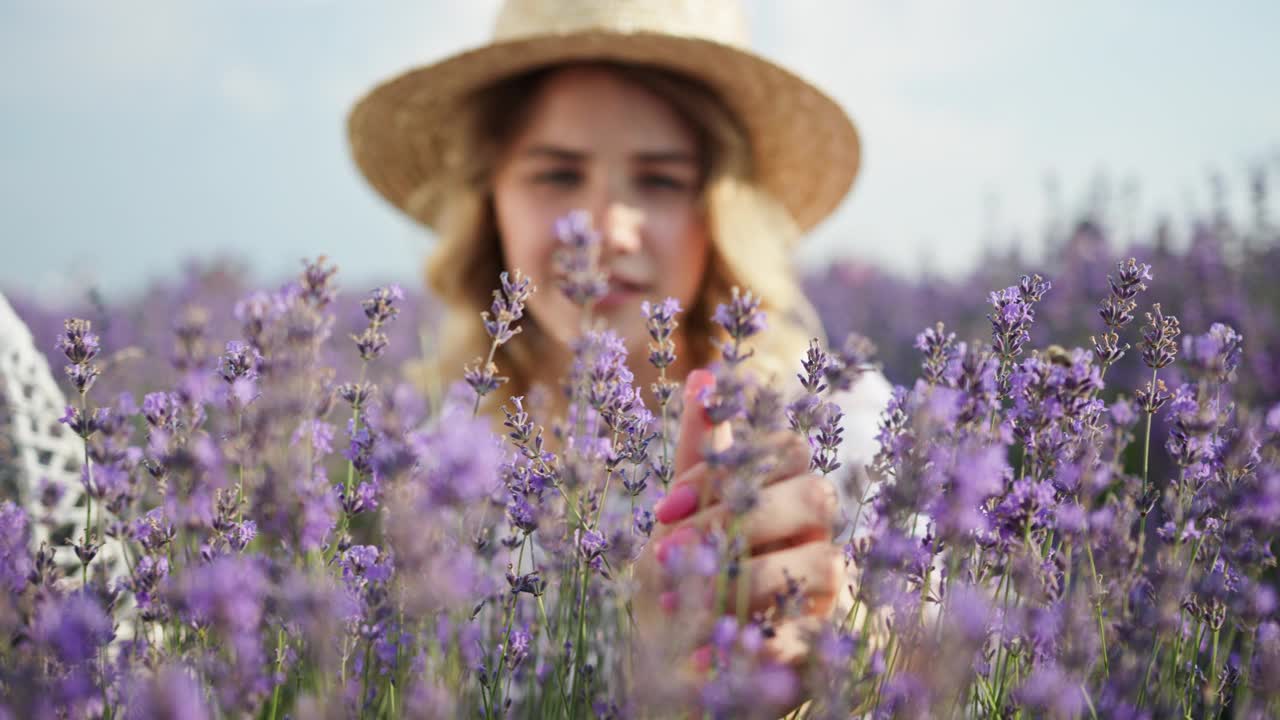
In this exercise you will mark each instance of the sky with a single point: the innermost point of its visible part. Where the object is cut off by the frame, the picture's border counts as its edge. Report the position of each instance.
(135, 135)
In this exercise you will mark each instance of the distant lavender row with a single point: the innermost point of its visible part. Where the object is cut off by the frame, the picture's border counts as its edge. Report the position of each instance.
(1223, 275)
(1219, 277)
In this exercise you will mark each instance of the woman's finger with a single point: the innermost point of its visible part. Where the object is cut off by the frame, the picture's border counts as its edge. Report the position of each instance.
(803, 506)
(695, 427)
(700, 485)
(816, 568)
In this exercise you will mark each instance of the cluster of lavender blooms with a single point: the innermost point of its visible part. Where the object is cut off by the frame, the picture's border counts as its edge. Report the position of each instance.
(305, 537)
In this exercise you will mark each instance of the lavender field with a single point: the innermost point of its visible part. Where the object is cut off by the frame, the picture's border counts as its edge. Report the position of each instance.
(1074, 511)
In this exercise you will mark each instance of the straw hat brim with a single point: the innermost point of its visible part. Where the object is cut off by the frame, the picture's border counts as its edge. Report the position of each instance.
(805, 149)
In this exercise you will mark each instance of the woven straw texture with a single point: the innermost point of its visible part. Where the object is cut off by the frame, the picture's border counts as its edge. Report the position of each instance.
(805, 149)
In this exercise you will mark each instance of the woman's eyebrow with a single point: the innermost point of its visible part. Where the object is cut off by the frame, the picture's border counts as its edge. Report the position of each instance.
(556, 152)
(666, 156)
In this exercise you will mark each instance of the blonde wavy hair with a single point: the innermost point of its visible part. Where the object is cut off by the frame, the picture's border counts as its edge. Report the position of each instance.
(751, 234)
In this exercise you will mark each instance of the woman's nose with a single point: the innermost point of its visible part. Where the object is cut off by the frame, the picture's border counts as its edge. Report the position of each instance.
(620, 228)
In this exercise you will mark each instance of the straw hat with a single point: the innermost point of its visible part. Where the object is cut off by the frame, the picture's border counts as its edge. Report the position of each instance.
(805, 148)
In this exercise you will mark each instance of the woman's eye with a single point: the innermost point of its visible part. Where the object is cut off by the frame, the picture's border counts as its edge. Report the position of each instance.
(660, 181)
(559, 178)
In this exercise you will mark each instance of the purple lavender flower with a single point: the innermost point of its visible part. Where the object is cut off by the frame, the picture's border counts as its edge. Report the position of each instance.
(741, 319)
(847, 363)
(1050, 689)
(239, 361)
(643, 521)
(363, 564)
(1216, 354)
(967, 475)
(15, 558)
(1014, 311)
(815, 364)
(317, 434)
(171, 693)
(77, 342)
(458, 460)
(828, 439)
(518, 646)
(74, 627)
(226, 594)
(935, 343)
(660, 320)
(577, 259)
(591, 548)
(316, 283)
(153, 531)
(380, 307)
(1159, 336)
(159, 409)
(145, 582)
(80, 346)
(507, 308)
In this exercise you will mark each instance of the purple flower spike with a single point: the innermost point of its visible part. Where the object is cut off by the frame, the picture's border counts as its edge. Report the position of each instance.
(741, 318)
(239, 361)
(77, 341)
(1159, 338)
(15, 559)
(380, 307)
(74, 628)
(577, 260)
(661, 322)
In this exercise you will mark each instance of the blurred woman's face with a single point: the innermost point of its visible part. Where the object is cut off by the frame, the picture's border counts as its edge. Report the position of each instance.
(596, 142)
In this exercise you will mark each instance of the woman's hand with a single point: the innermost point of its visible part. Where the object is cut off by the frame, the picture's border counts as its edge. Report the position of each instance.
(789, 533)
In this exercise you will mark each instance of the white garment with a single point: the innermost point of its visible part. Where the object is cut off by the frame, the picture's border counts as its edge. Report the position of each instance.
(863, 405)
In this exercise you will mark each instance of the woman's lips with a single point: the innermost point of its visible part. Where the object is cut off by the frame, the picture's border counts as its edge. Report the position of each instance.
(620, 292)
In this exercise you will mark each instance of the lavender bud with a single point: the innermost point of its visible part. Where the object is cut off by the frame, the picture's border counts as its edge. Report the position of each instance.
(661, 322)
(741, 318)
(77, 342)
(316, 282)
(828, 439)
(577, 260)
(356, 393)
(82, 377)
(80, 424)
(1215, 354)
(643, 521)
(483, 377)
(1129, 278)
(507, 308)
(849, 362)
(189, 331)
(1152, 398)
(815, 365)
(371, 343)
(239, 361)
(935, 343)
(380, 307)
(1159, 338)
(529, 583)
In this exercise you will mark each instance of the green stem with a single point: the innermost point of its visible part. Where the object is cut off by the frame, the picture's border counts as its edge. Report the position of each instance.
(1097, 585)
(506, 630)
(1146, 460)
(275, 695)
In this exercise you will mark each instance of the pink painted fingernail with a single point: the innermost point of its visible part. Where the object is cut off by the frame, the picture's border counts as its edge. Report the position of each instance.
(682, 501)
(672, 541)
(669, 600)
(702, 658)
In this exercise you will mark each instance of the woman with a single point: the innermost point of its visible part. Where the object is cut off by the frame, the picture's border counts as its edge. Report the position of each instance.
(700, 165)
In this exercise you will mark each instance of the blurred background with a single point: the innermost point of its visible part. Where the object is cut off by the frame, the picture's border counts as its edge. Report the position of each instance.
(138, 135)
(175, 156)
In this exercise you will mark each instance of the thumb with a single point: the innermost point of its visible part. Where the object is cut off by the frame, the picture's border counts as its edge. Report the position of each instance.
(696, 430)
